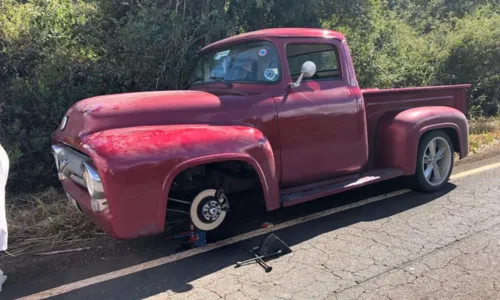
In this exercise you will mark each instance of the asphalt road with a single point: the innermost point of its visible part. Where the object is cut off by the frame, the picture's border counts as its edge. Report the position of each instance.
(413, 246)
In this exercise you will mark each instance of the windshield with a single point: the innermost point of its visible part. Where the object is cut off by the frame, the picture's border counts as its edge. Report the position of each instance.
(256, 62)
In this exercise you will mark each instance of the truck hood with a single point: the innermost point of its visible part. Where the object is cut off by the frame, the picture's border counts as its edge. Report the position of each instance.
(138, 109)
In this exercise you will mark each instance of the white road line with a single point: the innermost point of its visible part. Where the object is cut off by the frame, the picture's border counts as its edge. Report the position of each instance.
(178, 256)
(474, 171)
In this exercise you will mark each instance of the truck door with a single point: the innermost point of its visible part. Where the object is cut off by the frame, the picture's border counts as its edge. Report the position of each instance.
(322, 122)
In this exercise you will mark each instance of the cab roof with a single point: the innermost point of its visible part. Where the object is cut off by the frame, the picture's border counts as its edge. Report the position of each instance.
(276, 32)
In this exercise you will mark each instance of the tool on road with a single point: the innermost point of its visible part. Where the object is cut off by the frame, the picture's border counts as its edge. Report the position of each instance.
(259, 259)
(266, 267)
(272, 246)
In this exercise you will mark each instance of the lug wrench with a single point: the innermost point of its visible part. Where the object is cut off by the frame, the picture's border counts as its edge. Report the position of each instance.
(263, 264)
(259, 260)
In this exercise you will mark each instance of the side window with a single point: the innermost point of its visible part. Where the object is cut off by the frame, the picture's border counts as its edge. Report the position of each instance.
(324, 56)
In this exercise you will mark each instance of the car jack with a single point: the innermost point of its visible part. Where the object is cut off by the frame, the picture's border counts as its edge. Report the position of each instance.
(272, 246)
(195, 238)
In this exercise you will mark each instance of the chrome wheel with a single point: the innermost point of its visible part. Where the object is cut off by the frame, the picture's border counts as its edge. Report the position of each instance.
(437, 161)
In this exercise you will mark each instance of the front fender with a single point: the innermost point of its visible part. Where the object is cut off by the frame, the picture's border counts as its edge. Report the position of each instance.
(399, 133)
(137, 166)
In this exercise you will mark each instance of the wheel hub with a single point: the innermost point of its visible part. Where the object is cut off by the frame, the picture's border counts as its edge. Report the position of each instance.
(211, 210)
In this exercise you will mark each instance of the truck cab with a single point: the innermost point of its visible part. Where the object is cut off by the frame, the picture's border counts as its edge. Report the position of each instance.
(277, 110)
(318, 118)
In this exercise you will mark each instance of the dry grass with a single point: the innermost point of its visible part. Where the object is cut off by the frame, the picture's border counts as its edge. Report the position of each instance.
(484, 132)
(43, 221)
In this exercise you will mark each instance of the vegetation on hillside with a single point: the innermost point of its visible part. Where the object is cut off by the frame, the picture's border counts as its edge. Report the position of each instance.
(56, 52)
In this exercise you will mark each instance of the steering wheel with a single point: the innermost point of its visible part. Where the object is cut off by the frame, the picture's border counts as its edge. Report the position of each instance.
(273, 61)
(238, 73)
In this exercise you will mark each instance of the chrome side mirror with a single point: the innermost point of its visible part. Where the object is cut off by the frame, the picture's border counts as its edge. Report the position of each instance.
(308, 70)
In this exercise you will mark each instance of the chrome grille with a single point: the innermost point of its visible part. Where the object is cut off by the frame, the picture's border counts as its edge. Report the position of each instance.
(68, 163)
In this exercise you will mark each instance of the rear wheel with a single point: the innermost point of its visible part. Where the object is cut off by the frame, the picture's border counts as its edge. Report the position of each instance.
(434, 162)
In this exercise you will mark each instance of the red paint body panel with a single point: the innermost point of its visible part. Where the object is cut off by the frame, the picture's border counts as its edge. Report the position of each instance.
(399, 133)
(104, 219)
(274, 33)
(322, 121)
(383, 106)
(323, 131)
(338, 185)
(156, 154)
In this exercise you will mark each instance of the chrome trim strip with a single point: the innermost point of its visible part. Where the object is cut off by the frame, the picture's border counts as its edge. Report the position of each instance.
(96, 180)
(78, 180)
(64, 122)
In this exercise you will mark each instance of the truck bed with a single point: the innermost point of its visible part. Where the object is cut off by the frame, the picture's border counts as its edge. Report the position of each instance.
(381, 101)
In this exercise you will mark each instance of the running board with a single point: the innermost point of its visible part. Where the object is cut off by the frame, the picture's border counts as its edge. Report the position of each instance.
(313, 191)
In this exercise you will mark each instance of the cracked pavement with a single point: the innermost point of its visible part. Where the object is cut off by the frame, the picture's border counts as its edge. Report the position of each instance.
(413, 246)
(446, 249)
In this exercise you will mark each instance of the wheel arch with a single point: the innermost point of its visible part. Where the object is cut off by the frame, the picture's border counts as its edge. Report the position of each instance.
(399, 135)
(269, 189)
(450, 130)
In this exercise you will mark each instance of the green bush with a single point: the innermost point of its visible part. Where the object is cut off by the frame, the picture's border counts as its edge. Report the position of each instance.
(56, 52)
(41, 75)
(389, 53)
(473, 56)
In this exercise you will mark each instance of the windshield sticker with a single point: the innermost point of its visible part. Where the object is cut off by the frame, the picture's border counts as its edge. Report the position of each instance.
(271, 74)
(262, 52)
(221, 54)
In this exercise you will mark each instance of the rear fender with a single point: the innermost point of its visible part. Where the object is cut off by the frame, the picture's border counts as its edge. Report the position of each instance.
(399, 133)
(137, 166)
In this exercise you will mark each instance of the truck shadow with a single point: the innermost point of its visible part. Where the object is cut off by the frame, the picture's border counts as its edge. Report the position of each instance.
(177, 276)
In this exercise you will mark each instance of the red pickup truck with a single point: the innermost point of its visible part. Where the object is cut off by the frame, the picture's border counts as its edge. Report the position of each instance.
(275, 110)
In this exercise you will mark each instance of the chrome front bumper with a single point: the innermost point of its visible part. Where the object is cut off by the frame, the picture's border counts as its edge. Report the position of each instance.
(72, 165)
(68, 164)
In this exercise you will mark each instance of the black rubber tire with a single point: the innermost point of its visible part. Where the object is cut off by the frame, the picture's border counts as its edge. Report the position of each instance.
(418, 180)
